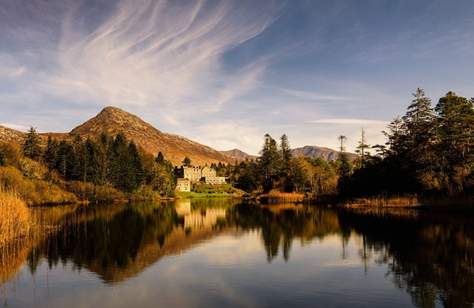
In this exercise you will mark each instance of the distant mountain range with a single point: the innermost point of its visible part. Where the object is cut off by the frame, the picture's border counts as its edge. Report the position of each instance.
(320, 152)
(175, 148)
(306, 151)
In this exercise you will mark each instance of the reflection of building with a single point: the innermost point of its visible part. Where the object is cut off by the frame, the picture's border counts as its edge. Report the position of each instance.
(198, 218)
(196, 174)
(183, 185)
(203, 219)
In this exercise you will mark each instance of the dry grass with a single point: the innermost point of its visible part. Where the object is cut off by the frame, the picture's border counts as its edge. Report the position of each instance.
(400, 201)
(15, 221)
(275, 196)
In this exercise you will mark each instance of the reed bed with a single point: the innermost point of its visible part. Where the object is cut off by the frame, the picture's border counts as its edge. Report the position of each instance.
(15, 220)
(400, 201)
(282, 197)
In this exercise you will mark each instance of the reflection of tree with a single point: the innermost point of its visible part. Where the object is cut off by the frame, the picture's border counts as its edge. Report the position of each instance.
(431, 258)
(280, 228)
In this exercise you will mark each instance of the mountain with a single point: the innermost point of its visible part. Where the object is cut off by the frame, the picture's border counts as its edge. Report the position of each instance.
(175, 148)
(319, 152)
(238, 155)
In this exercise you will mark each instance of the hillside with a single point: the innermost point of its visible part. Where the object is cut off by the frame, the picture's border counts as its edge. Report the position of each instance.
(319, 152)
(114, 120)
(238, 155)
(10, 135)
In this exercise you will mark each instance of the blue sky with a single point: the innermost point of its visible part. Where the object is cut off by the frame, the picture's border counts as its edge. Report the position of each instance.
(226, 72)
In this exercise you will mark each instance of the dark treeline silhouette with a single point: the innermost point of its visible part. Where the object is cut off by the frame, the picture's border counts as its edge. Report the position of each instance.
(428, 150)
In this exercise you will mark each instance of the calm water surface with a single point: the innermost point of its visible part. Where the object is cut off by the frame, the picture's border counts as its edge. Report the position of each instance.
(221, 253)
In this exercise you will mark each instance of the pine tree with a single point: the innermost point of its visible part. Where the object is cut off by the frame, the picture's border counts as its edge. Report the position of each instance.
(362, 149)
(160, 158)
(50, 153)
(186, 162)
(31, 146)
(269, 162)
(419, 136)
(456, 139)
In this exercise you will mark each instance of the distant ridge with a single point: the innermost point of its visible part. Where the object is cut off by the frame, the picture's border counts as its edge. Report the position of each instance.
(238, 156)
(306, 151)
(319, 152)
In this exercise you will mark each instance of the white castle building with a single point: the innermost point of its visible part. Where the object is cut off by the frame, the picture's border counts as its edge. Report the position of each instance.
(191, 174)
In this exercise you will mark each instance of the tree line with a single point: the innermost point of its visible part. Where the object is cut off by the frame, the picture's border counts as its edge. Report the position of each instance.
(277, 169)
(107, 160)
(428, 150)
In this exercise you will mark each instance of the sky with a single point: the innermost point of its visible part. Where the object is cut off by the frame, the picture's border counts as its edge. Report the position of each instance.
(224, 73)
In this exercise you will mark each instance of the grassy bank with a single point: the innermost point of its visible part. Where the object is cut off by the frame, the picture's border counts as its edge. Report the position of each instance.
(15, 220)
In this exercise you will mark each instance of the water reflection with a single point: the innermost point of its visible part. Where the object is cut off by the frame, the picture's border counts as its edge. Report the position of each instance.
(431, 257)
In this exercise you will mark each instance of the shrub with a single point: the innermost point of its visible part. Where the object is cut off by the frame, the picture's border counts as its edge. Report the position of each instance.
(11, 154)
(94, 193)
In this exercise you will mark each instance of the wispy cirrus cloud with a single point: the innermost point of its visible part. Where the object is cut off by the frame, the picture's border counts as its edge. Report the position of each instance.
(153, 55)
(173, 56)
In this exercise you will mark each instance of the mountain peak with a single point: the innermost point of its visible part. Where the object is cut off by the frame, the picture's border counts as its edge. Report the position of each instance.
(113, 110)
(113, 120)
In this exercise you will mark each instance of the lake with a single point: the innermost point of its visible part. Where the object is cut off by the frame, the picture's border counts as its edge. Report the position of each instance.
(221, 253)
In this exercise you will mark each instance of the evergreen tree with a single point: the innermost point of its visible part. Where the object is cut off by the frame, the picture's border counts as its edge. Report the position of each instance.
(269, 162)
(456, 139)
(135, 170)
(50, 153)
(65, 160)
(363, 149)
(31, 146)
(419, 137)
(160, 158)
(285, 153)
(186, 162)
